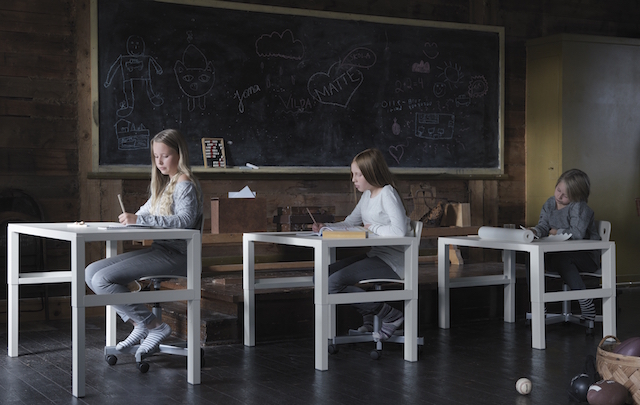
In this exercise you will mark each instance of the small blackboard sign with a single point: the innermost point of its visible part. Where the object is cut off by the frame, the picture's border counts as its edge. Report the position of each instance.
(295, 88)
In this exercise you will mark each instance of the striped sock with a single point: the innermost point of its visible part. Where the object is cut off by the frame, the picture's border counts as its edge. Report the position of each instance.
(588, 309)
(151, 343)
(138, 333)
(367, 324)
(391, 320)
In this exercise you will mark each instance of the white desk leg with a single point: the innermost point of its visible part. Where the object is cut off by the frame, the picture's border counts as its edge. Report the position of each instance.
(411, 330)
(333, 318)
(411, 305)
(322, 258)
(111, 316)
(248, 287)
(537, 299)
(111, 320)
(13, 293)
(193, 342)
(510, 289)
(443, 285)
(322, 337)
(78, 316)
(78, 343)
(333, 310)
(609, 281)
(194, 272)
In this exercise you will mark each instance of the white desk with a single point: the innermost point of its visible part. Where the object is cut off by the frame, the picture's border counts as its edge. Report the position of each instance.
(536, 249)
(324, 254)
(78, 236)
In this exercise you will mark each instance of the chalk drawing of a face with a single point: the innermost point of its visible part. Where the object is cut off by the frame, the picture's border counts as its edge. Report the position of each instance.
(195, 76)
(439, 89)
(135, 45)
(478, 86)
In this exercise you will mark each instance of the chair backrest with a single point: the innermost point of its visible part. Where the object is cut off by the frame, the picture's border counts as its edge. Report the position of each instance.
(604, 230)
(416, 227)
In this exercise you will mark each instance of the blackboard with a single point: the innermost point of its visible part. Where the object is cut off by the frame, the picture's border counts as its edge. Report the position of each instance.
(295, 88)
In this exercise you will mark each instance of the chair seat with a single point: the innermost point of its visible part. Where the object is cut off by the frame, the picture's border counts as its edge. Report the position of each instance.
(595, 274)
(380, 281)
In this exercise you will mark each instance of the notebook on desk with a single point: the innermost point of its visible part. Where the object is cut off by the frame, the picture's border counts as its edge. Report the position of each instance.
(338, 232)
(130, 226)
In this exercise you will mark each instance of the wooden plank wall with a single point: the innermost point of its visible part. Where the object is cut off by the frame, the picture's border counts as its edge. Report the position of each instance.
(38, 104)
(45, 107)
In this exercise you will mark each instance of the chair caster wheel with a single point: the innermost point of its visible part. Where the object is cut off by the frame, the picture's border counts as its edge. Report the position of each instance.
(375, 354)
(111, 359)
(333, 349)
(143, 366)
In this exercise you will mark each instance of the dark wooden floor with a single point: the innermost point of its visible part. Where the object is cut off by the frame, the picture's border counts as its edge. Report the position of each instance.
(471, 363)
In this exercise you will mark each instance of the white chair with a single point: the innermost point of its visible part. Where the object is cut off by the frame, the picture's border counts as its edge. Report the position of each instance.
(355, 336)
(179, 348)
(604, 230)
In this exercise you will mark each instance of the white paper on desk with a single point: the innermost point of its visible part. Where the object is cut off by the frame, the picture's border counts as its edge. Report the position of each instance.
(505, 234)
(557, 238)
(244, 193)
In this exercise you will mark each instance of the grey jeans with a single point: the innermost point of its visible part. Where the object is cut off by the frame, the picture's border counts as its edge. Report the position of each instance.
(344, 274)
(112, 275)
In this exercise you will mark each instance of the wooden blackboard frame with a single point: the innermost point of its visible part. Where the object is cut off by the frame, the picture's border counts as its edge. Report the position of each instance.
(497, 171)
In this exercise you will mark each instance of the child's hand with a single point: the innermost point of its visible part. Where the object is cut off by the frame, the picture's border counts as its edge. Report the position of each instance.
(316, 227)
(553, 231)
(125, 218)
(367, 226)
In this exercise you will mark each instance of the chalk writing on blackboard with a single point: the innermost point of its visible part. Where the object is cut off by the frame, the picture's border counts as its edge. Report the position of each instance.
(430, 50)
(280, 46)
(195, 75)
(129, 137)
(435, 125)
(338, 85)
(289, 89)
(134, 67)
(478, 86)
(213, 152)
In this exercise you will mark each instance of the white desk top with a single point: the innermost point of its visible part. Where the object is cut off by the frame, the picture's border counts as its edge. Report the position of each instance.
(537, 244)
(310, 240)
(94, 231)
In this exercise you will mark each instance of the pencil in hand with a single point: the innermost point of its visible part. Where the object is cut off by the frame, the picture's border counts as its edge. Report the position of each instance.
(121, 203)
(311, 215)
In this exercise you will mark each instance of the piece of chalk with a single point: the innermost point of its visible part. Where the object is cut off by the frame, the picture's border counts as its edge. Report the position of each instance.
(252, 166)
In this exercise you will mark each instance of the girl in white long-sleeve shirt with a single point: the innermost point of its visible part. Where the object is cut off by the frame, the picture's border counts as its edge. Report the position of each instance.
(382, 212)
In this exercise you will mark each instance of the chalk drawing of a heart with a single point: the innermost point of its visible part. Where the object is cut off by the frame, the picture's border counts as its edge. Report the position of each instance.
(396, 152)
(430, 50)
(336, 87)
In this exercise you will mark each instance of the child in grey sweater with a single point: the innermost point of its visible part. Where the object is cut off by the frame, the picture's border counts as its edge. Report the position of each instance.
(567, 212)
(175, 202)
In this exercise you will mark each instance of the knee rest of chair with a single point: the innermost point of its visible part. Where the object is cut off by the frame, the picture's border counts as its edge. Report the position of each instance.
(179, 348)
(604, 231)
(355, 336)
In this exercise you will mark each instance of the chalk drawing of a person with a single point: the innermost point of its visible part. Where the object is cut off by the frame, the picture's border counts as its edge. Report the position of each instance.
(135, 66)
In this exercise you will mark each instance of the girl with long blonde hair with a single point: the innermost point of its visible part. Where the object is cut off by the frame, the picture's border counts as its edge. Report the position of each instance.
(175, 201)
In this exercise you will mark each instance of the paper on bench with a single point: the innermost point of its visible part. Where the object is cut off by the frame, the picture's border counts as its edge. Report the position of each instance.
(244, 193)
(505, 234)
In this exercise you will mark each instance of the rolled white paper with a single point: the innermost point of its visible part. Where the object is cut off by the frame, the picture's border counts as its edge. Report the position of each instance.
(505, 234)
